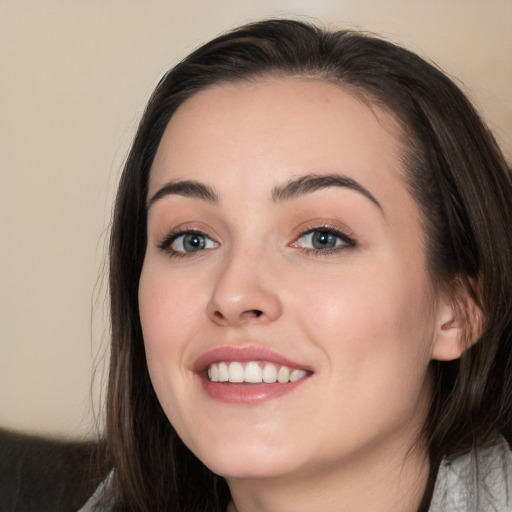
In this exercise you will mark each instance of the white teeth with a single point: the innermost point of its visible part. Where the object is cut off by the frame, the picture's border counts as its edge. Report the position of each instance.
(253, 372)
(223, 372)
(269, 373)
(213, 373)
(236, 372)
(296, 375)
(283, 375)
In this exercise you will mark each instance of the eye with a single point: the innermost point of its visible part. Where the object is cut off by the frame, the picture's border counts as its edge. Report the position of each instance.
(183, 243)
(323, 240)
(320, 240)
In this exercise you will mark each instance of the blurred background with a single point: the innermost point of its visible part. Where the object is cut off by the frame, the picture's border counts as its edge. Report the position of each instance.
(74, 79)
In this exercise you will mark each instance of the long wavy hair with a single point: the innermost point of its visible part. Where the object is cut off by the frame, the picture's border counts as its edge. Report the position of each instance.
(455, 172)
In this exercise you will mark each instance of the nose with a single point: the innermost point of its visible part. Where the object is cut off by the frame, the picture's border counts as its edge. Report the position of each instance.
(244, 293)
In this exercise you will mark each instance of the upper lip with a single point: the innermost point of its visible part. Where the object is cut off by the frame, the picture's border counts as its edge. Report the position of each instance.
(244, 354)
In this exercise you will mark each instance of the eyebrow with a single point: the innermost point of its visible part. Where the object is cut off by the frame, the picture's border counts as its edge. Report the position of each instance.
(186, 188)
(293, 189)
(313, 182)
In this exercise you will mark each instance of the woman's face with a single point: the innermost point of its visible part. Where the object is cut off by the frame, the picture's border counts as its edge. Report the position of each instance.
(286, 255)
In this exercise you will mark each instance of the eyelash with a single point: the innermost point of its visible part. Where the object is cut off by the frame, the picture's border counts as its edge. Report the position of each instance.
(165, 244)
(347, 241)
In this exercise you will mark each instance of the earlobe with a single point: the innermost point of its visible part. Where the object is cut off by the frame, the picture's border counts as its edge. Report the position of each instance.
(460, 324)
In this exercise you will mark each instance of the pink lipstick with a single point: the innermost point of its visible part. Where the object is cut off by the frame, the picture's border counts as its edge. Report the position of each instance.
(248, 375)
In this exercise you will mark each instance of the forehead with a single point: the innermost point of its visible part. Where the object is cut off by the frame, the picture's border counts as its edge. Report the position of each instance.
(262, 133)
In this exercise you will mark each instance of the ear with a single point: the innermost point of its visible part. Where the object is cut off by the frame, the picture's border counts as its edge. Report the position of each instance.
(459, 321)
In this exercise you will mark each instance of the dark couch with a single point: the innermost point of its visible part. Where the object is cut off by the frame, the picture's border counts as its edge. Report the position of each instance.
(39, 474)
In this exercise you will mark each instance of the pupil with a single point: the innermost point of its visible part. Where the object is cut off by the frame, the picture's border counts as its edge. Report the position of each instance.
(323, 239)
(193, 242)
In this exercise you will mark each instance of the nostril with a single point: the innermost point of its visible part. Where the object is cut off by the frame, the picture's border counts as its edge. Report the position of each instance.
(256, 313)
(245, 315)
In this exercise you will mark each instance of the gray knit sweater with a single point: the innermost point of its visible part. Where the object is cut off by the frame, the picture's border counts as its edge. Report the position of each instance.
(480, 481)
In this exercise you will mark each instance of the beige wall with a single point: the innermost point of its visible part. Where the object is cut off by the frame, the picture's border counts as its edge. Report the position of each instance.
(74, 77)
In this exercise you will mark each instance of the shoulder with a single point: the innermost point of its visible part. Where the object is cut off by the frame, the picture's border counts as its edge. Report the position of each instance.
(93, 504)
(479, 481)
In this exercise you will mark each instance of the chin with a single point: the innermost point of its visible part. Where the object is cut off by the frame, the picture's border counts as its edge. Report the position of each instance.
(247, 459)
(253, 469)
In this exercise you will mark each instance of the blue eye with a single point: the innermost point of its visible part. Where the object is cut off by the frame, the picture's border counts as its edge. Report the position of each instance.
(323, 240)
(189, 242)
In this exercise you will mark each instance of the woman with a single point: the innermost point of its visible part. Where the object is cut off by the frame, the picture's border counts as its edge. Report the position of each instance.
(310, 280)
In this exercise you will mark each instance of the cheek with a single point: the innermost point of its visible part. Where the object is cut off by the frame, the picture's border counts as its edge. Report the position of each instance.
(169, 310)
(370, 320)
(167, 306)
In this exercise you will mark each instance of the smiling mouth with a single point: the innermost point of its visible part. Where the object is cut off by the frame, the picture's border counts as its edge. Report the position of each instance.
(253, 372)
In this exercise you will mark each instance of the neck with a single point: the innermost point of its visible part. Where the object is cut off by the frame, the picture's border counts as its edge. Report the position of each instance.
(385, 479)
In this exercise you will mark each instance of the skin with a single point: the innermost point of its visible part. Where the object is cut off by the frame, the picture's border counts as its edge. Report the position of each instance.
(364, 318)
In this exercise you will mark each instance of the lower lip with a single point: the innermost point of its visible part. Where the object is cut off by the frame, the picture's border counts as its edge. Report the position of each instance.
(248, 394)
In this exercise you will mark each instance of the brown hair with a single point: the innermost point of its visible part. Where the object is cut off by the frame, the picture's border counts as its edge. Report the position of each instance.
(457, 175)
